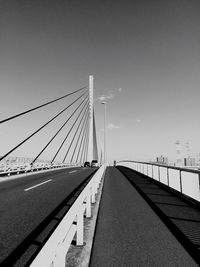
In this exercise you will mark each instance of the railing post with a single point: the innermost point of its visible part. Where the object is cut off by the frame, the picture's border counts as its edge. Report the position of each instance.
(180, 182)
(96, 185)
(93, 194)
(167, 176)
(199, 185)
(159, 173)
(88, 205)
(152, 171)
(79, 234)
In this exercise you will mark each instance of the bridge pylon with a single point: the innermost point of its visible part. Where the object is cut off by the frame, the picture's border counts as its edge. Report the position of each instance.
(92, 143)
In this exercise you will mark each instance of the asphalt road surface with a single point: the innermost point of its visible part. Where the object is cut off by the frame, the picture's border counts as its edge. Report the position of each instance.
(25, 202)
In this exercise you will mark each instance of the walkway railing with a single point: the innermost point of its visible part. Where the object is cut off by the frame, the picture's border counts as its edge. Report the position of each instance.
(184, 180)
(54, 251)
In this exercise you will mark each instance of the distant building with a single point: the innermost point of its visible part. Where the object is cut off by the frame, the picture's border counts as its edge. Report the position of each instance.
(162, 160)
(189, 161)
(198, 159)
(178, 153)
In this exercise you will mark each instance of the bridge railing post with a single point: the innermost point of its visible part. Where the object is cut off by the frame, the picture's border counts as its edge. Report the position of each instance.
(168, 176)
(180, 181)
(93, 195)
(88, 205)
(79, 234)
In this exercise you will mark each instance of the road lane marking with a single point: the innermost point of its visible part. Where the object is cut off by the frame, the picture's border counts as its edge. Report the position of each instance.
(27, 189)
(73, 171)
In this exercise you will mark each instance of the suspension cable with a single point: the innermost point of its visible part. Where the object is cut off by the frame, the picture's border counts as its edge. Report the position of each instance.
(82, 139)
(82, 149)
(81, 143)
(84, 145)
(32, 109)
(66, 136)
(74, 137)
(58, 131)
(40, 128)
(87, 143)
(86, 115)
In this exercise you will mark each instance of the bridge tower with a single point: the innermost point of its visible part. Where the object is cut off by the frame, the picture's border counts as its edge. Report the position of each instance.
(92, 143)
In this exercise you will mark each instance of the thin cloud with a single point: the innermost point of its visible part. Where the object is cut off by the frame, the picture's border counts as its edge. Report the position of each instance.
(105, 97)
(112, 126)
(110, 94)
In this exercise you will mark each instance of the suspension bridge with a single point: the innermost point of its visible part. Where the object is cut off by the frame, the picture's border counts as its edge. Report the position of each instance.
(56, 212)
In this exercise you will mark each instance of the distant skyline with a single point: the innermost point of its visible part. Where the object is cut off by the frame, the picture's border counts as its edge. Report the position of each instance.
(144, 56)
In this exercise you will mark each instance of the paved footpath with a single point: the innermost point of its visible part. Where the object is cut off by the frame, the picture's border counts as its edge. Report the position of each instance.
(129, 233)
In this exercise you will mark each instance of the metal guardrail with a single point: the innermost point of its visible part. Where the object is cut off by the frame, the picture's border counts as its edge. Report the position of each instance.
(186, 181)
(55, 249)
(25, 169)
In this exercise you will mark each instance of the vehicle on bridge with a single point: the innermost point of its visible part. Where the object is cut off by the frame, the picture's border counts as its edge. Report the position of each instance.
(94, 163)
(87, 164)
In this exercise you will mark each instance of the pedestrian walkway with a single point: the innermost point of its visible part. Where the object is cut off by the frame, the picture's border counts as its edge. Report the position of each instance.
(129, 233)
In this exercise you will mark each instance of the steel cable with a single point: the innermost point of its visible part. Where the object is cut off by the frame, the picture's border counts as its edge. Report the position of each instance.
(87, 143)
(81, 143)
(73, 138)
(78, 138)
(66, 137)
(59, 130)
(40, 128)
(84, 146)
(48, 103)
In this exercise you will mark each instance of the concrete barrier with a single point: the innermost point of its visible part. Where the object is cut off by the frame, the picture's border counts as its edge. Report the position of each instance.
(55, 249)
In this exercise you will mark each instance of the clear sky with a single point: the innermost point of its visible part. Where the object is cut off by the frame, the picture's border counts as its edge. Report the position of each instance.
(144, 55)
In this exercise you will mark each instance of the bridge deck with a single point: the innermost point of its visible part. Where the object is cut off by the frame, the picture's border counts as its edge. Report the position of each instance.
(130, 233)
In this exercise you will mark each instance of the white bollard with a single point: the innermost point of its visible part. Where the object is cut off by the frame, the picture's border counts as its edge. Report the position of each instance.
(88, 205)
(79, 234)
(93, 194)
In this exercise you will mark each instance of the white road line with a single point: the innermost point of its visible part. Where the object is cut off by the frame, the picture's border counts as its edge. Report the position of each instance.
(73, 171)
(27, 189)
